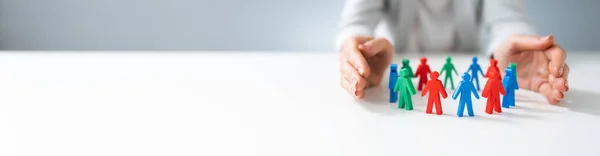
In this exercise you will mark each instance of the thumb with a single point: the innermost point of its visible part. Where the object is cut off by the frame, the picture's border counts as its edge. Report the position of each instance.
(376, 46)
(529, 42)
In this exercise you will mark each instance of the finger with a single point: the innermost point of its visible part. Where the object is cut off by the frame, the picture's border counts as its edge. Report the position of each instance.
(351, 75)
(565, 76)
(530, 43)
(547, 91)
(376, 46)
(348, 86)
(559, 84)
(557, 57)
(557, 95)
(360, 94)
(355, 57)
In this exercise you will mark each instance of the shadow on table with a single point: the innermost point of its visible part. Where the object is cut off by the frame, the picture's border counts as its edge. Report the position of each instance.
(377, 101)
(582, 101)
(526, 96)
(530, 97)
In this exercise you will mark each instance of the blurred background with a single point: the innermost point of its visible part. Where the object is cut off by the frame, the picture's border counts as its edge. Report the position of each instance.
(248, 25)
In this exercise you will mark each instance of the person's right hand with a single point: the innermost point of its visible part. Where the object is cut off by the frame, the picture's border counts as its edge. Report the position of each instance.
(363, 62)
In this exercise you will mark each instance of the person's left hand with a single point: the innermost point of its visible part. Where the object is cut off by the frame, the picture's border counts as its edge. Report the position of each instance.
(540, 63)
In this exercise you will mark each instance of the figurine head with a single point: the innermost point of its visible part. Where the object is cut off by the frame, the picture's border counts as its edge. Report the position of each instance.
(509, 71)
(474, 59)
(405, 62)
(448, 59)
(466, 77)
(423, 60)
(434, 75)
(494, 62)
(403, 72)
(512, 65)
(393, 67)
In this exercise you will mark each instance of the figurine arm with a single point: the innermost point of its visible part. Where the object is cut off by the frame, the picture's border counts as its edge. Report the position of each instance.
(486, 89)
(397, 87)
(454, 69)
(474, 91)
(487, 73)
(505, 82)
(418, 71)
(425, 89)
(411, 87)
(502, 91)
(481, 71)
(443, 91)
(456, 92)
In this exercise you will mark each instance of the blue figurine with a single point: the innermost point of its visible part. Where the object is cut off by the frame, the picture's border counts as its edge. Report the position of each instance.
(510, 85)
(474, 68)
(465, 88)
(392, 84)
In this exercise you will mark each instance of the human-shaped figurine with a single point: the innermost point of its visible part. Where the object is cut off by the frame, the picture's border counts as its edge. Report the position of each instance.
(493, 67)
(448, 68)
(510, 85)
(392, 83)
(475, 69)
(422, 72)
(465, 88)
(406, 89)
(406, 65)
(435, 88)
(492, 90)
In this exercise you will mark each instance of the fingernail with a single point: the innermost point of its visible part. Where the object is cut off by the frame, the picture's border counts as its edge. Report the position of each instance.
(361, 71)
(361, 47)
(561, 70)
(567, 84)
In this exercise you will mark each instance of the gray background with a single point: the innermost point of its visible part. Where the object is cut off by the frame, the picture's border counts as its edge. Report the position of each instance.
(282, 25)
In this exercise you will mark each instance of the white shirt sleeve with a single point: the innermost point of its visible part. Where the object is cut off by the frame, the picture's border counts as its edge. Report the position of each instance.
(359, 17)
(503, 18)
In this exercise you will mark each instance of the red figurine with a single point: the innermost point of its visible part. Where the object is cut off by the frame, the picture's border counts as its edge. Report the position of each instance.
(493, 89)
(422, 71)
(435, 88)
(493, 68)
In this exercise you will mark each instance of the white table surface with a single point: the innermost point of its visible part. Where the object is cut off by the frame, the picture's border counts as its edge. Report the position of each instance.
(264, 103)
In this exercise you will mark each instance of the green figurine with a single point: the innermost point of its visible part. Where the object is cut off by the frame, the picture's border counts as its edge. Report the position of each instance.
(514, 67)
(406, 89)
(406, 65)
(448, 67)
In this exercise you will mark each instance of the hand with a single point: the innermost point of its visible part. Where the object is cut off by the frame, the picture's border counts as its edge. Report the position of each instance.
(363, 62)
(540, 63)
